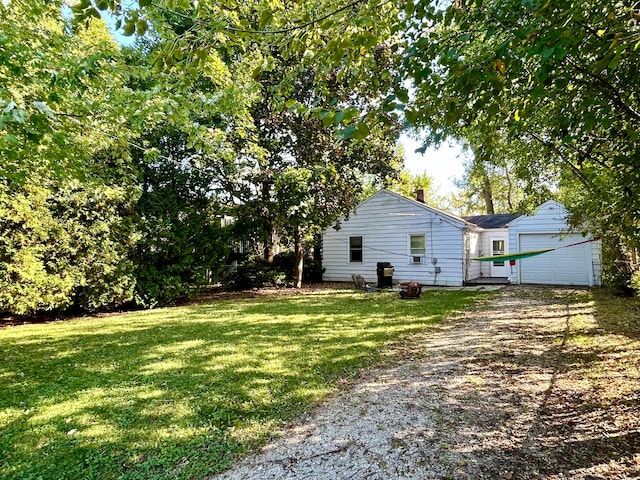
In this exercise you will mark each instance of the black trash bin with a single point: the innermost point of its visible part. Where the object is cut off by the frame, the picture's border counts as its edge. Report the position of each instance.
(385, 274)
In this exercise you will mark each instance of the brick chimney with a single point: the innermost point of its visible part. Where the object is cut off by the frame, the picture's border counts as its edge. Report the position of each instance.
(420, 195)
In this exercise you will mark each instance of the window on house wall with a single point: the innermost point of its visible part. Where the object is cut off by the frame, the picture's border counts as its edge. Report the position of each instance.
(417, 248)
(355, 249)
(497, 248)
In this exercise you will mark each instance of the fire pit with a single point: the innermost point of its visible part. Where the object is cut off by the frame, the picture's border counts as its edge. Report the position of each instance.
(410, 290)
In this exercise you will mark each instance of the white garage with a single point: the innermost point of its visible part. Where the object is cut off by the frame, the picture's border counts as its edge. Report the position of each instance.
(568, 264)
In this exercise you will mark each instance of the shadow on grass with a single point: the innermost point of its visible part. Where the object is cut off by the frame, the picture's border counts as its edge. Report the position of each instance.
(616, 314)
(581, 355)
(178, 392)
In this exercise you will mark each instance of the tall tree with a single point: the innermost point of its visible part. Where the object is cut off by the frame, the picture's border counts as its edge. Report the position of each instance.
(303, 175)
(506, 172)
(407, 184)
(560, 74)
(65, 186)
(182, 156)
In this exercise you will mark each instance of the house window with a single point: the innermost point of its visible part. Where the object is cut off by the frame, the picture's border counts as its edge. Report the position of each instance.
(497, 248)
(355, 249)
(417, 248)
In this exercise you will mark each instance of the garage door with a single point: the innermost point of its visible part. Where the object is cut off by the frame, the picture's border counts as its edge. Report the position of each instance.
(567, 266)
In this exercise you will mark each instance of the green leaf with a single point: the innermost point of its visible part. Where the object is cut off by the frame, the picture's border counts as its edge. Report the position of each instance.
(351, 113)
(19, 115)
(411, 116)
(347, 133)
(409, 8)
(12, 139)
(615, 61)
(129, 28)
(44, 108)
(141, 27)
(389, 106)
(266, 18)
(327, 121)
(493, 109)
(327, 24)
(547, 53)
(10, 106)
(421, 149)
(403, 95)
(362, 131)
(144, 3)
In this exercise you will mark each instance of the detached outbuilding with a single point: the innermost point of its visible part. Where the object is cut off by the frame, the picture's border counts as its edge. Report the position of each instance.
(575, 260)
(433, 247)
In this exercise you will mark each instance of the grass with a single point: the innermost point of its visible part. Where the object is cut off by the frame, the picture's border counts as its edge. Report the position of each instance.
(608, 338)
(181, 392)
(590, 420)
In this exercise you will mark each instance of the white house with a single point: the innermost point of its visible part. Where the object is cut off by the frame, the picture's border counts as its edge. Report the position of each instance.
(433, 247)
(422, 243)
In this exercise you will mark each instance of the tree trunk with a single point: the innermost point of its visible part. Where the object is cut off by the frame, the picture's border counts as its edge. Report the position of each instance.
(299, 254)
(487, 193)
(270, 246)
(482, 155)
(268, 243)
(317, 247)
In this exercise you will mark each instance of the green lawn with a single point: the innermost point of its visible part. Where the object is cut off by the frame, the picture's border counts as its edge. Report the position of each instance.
(180, 392)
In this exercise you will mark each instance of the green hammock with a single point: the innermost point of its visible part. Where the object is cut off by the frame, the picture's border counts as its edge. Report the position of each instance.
(513, 256)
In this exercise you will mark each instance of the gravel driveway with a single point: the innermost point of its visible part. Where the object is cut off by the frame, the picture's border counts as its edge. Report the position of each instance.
(497, 393)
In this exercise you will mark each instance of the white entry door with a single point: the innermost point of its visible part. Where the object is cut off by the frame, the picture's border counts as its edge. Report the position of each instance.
(498, 246)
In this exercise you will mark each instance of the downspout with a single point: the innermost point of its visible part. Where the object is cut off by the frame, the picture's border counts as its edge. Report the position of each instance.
(434, 259)
(464, 259)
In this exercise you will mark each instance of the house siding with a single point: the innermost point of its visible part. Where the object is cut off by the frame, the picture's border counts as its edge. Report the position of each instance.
(385, 222)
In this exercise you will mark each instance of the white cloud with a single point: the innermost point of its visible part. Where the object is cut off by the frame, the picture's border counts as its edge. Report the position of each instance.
(443, 164)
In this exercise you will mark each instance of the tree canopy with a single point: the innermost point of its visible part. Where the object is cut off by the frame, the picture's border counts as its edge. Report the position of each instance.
(278, 113)
(558, 77)
(117, 165)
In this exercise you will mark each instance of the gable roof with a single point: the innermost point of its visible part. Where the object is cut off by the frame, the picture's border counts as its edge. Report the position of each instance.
(499, 220)
(549, 205)
(461, 222)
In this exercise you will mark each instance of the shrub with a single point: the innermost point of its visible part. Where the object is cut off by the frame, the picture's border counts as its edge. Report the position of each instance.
(312, 270)
(65, 247)
(635, 283)
(255, 273)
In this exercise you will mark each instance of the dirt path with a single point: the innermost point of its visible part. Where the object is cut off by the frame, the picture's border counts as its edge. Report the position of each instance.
(504, 392)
